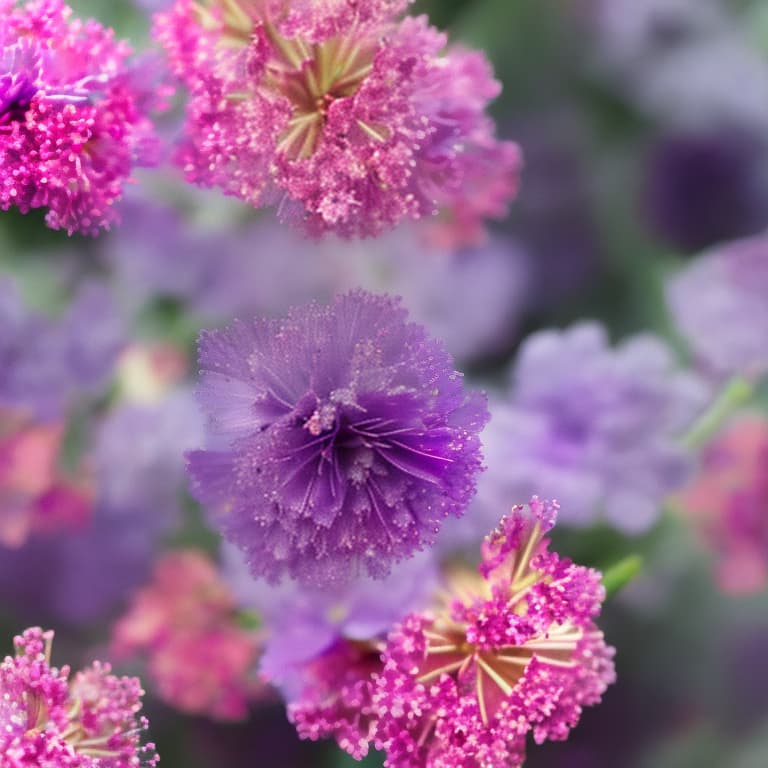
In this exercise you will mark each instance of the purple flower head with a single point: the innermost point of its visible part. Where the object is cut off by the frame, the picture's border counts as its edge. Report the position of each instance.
(596, 425)
(513, 651)
(340, 438)
(706, 187)
(679, 59)
(45, 363)
(350, 119)
(304, 623)
(719, 305)
(73, 116)
(221, 271)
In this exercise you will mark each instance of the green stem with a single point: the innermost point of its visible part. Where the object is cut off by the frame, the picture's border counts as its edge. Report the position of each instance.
(622, 573)
(736, 393)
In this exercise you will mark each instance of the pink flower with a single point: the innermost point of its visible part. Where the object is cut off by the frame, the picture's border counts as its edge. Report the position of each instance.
(514, 651)
(185, 624)
(36, 497)
(350, 119)
(728, 503)
(73, 116)
(48, 719)
(337, 699)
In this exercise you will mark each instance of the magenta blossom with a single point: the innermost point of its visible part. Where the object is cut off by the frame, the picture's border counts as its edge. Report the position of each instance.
(349, 118)
(36, 497)
(728, 503)
(73, 116)
(47, 718)
(184, 624)
(512, 651)
(340, 439)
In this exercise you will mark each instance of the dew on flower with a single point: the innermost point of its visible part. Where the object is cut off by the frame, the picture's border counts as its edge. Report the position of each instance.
(341, 438)
(348, 118)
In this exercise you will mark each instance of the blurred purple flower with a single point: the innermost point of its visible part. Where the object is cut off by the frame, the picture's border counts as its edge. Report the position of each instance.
(218, 272)
(303, 623)
(598, 427)
(340, 438)
(490, 284)
(706, 187)
(263, 268)
(679, 60)
(46, 362)
(720, 307)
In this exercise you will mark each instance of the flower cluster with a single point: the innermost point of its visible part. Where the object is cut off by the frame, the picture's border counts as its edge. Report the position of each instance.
(73, 116)
(599, 426)
(510, 651)
(728, 500)
(350, 119)
(719, 305)
(341, 437)
(48, 719)
(185, 624)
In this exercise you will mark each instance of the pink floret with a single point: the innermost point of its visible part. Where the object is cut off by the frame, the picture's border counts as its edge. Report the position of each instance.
(185, 625)
(727, 503)
(337, 697)
(48, 719)
(73, 116)
(466, 685)
(347, 118)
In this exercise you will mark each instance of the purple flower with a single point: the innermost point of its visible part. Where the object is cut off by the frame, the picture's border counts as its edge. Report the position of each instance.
(679, 59)
(490, 284)
(264, 268)
(597, 426)
(706, 187)
(351, 119)
(341, 437)
(719, 305)
(219, 271)
(73, 118)
(303, 623)
(45, 363)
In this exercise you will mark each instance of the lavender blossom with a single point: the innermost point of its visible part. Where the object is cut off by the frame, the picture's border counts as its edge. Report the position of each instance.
(340, 438)
(488, 282)
(217, 271)
(304, 623)
(597, 426)
(679, 59)
(234, 269)
(45, 363)
(719, 305)
(705, 187)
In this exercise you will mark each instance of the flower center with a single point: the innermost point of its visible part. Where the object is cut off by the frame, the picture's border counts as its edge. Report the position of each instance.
(16, 93)
(312, 76)
(476, 650)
